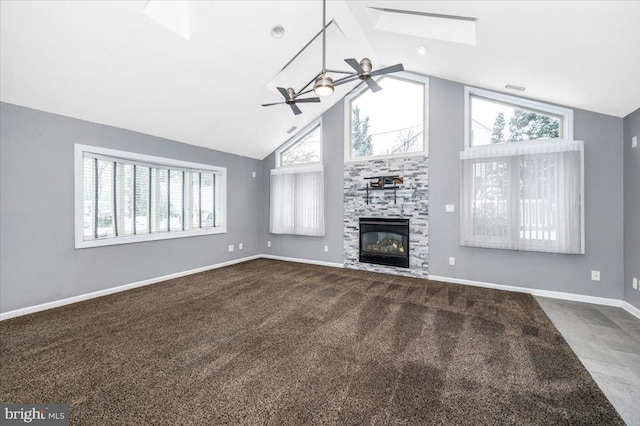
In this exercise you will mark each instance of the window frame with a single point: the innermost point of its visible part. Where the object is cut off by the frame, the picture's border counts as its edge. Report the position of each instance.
(566, 114)
(360, 89)
(80, 242)
(297, 138)
(528, 244)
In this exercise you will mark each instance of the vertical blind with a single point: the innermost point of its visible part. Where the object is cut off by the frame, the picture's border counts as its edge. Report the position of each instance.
(297, 200)
(523, 197)
(123, 198)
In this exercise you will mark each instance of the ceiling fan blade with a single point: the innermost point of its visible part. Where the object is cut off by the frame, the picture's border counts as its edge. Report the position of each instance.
(375, 87)
(307, 100)
(388, 70)
(355, 65)
(275, 103)
(344, 80)
(295, 109)
(284, 92)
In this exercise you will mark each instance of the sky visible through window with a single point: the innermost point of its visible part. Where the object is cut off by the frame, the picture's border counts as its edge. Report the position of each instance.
(396, 118)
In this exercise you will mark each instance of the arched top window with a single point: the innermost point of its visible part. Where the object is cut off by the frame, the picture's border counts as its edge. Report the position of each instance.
(392, 122)
(304, 148)
(494, 118)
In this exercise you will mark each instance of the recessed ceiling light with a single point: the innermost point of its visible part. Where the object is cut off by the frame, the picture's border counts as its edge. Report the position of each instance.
(291, 129)
(422, 50)
(277, 31)
(514, 87)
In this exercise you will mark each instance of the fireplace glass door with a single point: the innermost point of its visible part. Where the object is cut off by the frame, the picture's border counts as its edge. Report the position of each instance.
(384, 241)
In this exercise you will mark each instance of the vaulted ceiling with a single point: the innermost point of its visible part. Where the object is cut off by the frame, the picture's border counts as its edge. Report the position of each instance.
(111, 63)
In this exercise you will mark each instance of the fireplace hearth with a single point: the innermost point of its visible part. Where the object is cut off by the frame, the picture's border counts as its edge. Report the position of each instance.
(384, 241)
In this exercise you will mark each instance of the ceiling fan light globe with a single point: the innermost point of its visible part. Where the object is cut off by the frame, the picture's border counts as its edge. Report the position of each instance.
(323, 91)
(323, 86)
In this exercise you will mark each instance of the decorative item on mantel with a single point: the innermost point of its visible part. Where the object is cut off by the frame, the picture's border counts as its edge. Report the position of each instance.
(382, 183)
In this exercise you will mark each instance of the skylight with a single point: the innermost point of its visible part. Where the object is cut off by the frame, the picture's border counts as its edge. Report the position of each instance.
(173, 15)
(457, 29)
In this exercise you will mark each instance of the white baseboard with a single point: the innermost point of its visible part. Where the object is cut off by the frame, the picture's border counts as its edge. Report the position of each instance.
(545, 293)
(107, 291)
(299, 260)
(631, 309)
(533, 291)
(536, 292)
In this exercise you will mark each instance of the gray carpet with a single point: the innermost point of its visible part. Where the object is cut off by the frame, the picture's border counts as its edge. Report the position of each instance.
(277, 343)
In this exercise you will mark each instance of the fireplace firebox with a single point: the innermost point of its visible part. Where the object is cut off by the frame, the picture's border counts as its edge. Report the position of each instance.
(384, 241)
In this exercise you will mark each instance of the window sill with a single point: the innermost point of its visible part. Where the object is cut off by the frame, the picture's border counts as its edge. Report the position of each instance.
(82, 244)
(522, 248)
(385, 157)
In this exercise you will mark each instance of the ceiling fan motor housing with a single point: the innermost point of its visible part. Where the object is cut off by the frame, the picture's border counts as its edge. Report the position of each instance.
(365, 63)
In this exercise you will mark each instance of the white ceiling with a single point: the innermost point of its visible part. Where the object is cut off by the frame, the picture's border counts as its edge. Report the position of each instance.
(108, 62)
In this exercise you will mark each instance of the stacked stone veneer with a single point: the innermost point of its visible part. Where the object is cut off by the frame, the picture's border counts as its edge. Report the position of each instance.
(412, 202)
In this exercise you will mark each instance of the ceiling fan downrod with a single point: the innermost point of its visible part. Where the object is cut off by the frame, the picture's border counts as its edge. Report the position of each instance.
(324, 84)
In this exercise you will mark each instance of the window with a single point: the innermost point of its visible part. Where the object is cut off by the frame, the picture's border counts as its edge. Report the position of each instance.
(495, 118)
(297, 200)
(304, 148)
(525, 195)
(297, 186)
(123, 197)
(388, 123)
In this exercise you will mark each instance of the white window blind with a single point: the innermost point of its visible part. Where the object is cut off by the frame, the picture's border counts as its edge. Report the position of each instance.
(126, 200)
(523, 196)
(297, 200)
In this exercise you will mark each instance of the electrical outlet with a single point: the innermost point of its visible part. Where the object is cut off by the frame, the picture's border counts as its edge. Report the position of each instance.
(635, 284)
(452, 261)
(634, 142)
(231, 248)
(268, 243)
(450, 208)
(326, 249)
(253, 174)
(595, 275)
(240, 246)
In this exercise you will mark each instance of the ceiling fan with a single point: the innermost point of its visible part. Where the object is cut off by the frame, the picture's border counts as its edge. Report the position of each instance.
(291, 99)
(323, 84)
(364, 73)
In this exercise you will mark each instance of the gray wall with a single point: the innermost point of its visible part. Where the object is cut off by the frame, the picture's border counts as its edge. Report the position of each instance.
(631, 208)
(564, 273)
(332, 157)
(38, 262)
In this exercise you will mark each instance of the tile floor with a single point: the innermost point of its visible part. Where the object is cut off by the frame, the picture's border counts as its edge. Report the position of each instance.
(607, 341)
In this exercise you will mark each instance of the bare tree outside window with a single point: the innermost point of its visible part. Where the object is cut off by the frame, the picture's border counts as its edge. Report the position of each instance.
(306, 150)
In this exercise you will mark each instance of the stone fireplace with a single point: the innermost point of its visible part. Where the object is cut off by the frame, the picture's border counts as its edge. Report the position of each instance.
(410, 203)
